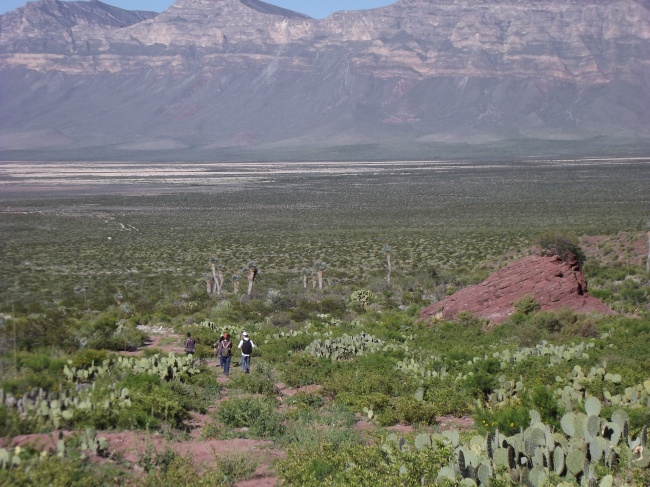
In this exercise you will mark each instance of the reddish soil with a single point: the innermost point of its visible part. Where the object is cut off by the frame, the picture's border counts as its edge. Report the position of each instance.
(131, 446)
(40, 442)
(464, 423)
(289, 391)
(154, 342)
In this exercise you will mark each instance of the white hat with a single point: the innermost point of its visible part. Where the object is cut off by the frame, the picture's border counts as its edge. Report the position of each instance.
(245, 334)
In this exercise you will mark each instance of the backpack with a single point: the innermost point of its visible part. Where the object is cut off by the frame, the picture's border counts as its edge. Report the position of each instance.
(247, 347)
(190, 344)
(225, 349)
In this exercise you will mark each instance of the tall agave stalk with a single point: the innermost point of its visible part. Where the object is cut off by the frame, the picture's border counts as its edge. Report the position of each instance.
(208, 283)
(235, 283)
(389, 254)
(213, 264)
(305, 273)
(647, 261)
(217, 275)
(314, 280)
(320, 269)
(220, 274)
(252, 274)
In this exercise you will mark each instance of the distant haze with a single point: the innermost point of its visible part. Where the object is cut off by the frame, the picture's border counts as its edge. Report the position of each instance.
(210, 79)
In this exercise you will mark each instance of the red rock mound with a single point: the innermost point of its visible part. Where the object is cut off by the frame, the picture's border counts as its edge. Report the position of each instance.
(554, 284)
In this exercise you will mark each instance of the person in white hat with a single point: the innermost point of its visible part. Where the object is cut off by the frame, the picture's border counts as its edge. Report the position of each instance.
(246, 345)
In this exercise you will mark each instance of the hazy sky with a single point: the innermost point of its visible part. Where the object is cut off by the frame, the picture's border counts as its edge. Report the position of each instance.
(314, 8)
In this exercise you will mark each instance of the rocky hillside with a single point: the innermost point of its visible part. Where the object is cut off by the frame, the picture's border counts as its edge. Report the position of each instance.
(208, 74)
(552, 283)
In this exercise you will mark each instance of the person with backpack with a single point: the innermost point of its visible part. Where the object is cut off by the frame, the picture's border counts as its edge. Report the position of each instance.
(226, 353)
(217, 348)
(246, 345)
(190, 344)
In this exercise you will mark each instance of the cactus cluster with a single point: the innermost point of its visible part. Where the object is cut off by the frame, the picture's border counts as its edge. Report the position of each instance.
(345, 347)
(421, 371)
(167, 367)
(507, 391)
(535, 454)
(576, 382)
(10, 459)
(55, 407)
(289, 334)
(556, 354)
(208, 324)
(89, 444)
(362, 297)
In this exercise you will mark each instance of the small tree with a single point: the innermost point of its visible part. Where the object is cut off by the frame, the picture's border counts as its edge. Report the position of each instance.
(527, 304)
(564, 246)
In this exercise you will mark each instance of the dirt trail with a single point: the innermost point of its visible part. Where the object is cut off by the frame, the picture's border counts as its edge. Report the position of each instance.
(132, 446)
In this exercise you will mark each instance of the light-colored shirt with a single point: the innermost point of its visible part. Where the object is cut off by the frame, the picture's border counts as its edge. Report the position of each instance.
(242, 342)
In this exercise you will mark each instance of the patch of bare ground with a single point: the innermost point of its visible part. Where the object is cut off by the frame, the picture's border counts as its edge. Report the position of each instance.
(40, 442)
(443, 423)
(131, 446)
(165, 340)
(462, 423)
(290, 391)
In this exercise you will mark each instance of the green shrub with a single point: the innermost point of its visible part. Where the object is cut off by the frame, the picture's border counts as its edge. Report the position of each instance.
(387, 464)
(410, 411)
(368, 374)
(259, 415)
(36, 362)
(527, 304)
(257, 382)
(86, 357)
(20, 384)
(508, 419)
(153, 403)
(447, 398)
(302, 370)
(56, 471)
(11, 424)
(543, 401)
(236, 466)
(128, 340)
(182, 470)
(563, 245)
(480, 384)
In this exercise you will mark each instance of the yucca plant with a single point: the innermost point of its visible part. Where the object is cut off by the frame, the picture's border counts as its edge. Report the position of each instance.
(320, 267)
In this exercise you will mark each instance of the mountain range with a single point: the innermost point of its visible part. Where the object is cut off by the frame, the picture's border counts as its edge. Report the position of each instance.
(217, 78)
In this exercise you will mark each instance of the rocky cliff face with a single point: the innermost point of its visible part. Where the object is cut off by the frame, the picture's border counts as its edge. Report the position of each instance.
(210, 73)
(554, 285)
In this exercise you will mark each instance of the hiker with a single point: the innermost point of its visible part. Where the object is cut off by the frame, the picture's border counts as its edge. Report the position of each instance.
(226, 353)
(190, 344)
(217, 348)
(246, 345)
